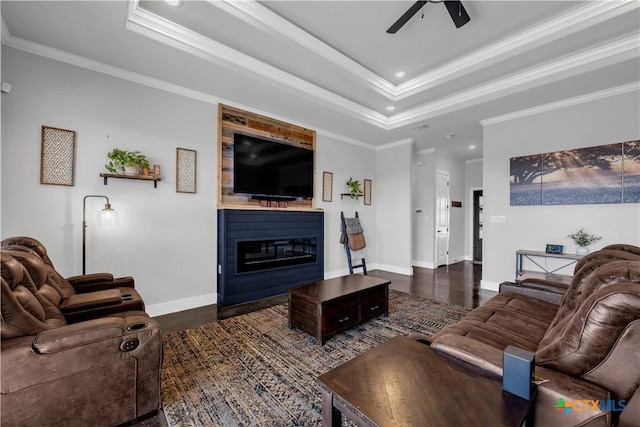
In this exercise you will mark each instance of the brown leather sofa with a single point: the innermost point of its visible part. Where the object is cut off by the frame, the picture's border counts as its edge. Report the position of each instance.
(102, 370)
(586, 348)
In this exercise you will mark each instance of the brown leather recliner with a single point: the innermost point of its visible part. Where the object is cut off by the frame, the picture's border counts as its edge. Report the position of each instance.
(100, 372)
(97, 298)
(586, 349)
(81, 284)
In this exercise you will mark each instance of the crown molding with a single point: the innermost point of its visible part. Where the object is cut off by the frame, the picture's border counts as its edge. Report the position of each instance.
(102, 68)
(162, 30)
(400, 143)
(601, 56)
(553, 29)
(165, 31)
(4, 31)
(169, 33)
(262, 18)
(478, 160)
(594, 96)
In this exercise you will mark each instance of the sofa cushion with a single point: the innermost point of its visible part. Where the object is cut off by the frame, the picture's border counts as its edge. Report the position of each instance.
(583, 284)
(586, 339)
(607, 255)
(24, 309)
(506, 319)
(591, 276)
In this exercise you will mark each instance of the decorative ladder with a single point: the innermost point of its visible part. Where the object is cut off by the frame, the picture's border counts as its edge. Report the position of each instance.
(345, 237)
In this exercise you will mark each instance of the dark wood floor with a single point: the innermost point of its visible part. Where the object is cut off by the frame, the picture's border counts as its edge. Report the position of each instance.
(456, 284)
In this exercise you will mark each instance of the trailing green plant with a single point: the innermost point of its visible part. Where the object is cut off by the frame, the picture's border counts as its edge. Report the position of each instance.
(583, 239)
(119, 159)
(354, 188)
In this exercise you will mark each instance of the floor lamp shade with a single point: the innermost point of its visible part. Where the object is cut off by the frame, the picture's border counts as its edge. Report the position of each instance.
(106, 217)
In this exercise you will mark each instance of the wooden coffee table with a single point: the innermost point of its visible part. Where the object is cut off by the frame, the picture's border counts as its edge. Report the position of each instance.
(327, 307)
(404, 382)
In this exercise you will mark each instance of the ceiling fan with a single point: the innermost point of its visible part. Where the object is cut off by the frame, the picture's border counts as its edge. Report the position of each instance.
(455, 8)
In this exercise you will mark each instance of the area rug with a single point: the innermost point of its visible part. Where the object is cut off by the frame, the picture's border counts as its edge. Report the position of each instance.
(252, 370)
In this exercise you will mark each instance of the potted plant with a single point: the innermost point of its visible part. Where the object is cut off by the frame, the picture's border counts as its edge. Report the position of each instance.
(582, 239)
(354, 188)
(126, 162)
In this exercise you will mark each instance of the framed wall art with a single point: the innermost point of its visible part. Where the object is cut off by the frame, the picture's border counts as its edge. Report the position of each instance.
(327, 186)
(57, 156)
(367, 191)
(604, 174)
(186, 168)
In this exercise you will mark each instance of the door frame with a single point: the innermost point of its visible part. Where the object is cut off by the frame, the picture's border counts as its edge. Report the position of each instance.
(435, 218)
(470, 222)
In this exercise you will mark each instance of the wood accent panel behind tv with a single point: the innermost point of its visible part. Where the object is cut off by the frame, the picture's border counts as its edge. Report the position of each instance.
(231, 120)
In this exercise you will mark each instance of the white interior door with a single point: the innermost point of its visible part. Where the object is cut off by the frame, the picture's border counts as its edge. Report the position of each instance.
(442, 219)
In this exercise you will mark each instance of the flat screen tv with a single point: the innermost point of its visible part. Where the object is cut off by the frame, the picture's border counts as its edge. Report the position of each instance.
(270, 169)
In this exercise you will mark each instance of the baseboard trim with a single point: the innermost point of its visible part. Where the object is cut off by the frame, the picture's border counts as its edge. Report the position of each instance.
(181, 305)
(208, 299)
(424, 264)
(395, 269)
(491, 286)
(370, 267)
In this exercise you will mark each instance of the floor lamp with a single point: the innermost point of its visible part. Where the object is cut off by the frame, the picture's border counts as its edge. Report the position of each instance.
(106, 217)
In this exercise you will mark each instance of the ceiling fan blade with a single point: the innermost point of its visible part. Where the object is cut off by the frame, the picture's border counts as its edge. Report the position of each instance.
(407, 15)
(457, 12)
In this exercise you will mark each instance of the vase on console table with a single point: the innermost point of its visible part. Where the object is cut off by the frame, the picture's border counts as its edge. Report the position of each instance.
(582, 250)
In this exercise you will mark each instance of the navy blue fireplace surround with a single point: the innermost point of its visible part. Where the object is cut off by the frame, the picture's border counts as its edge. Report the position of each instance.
(265, 252)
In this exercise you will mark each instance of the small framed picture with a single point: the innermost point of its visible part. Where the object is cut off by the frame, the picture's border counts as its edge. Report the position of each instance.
(367, 191)
(186, 170)
(327, 186)
(57, 156)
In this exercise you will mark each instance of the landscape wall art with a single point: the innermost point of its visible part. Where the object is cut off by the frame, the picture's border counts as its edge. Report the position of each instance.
(595, 175)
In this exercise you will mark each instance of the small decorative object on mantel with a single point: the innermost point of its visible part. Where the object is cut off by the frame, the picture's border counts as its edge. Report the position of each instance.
(582, 239)
(57, 156)
(125, 162)
(186, 168)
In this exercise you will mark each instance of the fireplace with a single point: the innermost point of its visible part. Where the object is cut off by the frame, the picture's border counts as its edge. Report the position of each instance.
(255, 255)
(262, 253)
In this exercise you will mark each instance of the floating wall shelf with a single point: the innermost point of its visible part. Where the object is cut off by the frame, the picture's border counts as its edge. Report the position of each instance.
(349, 195)
(106, 176)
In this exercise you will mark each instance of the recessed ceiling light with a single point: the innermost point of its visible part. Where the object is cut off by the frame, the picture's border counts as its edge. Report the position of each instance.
(471, 147)
(174, 2)
(400, 74)
(391, 108)
(450, 136)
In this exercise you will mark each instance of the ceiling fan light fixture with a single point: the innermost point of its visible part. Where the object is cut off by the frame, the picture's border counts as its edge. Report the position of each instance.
(456, 10)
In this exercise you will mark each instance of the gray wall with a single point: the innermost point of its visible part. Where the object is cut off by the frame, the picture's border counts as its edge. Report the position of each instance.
(426, 163)
(393, 206)
(609, 120)
(166, 240)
